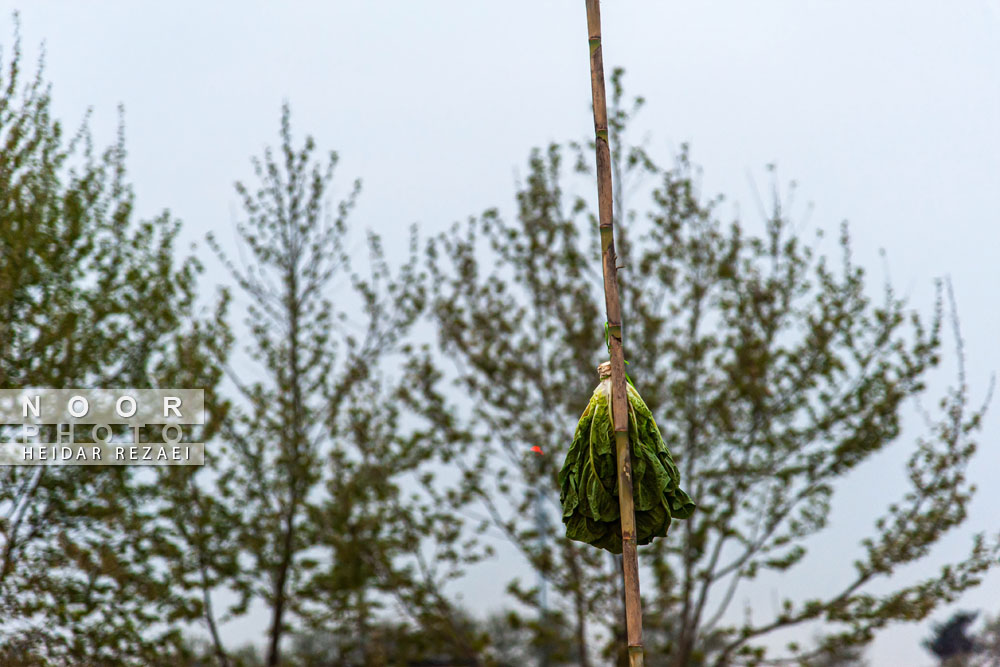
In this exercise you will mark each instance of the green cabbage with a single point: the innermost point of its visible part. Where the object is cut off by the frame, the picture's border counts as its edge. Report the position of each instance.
(588, 480)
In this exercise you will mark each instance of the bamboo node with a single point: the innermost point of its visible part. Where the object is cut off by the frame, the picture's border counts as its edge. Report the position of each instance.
(607, 239)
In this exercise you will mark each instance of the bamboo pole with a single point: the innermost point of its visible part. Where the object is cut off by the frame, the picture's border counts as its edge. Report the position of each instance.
(619, 398)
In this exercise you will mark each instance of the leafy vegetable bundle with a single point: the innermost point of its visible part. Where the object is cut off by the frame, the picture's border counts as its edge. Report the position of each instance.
(588, 480)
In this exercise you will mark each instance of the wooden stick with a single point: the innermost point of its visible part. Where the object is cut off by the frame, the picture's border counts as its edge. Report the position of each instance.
(619, 398)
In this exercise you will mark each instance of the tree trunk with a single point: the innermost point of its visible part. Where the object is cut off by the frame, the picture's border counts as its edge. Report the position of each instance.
(294, 472)
(580, 607)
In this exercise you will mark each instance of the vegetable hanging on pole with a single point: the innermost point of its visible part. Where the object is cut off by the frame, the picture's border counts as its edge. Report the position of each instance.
(617, 430)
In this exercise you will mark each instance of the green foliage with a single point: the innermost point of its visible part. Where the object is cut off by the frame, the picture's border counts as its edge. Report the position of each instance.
(588, 481)
(317, 503)
(772, 372)
(90, 297)
(312, 508)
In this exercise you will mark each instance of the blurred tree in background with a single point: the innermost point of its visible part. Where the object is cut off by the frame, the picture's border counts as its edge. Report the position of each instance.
(773, 374)
(989, 641)
(951, 642)
(317, 504)
(91, 297)
(319, 513)
(956, 644)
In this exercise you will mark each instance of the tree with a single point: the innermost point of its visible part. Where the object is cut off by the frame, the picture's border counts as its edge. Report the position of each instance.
(91, 297)
(988, 641)
(956, 646)
(308, 509)
(515, 640)
(951, 641)
(772, 372)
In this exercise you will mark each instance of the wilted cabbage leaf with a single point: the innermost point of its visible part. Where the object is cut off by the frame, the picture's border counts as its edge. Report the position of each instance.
(588, 480)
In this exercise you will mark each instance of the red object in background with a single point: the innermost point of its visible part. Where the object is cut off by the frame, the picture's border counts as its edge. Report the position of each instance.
(536, 449)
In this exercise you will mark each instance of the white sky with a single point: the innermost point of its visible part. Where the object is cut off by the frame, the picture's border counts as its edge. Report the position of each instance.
(885, 112)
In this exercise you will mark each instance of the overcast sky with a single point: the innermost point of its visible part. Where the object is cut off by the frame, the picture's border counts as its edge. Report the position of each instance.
(886, 113)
